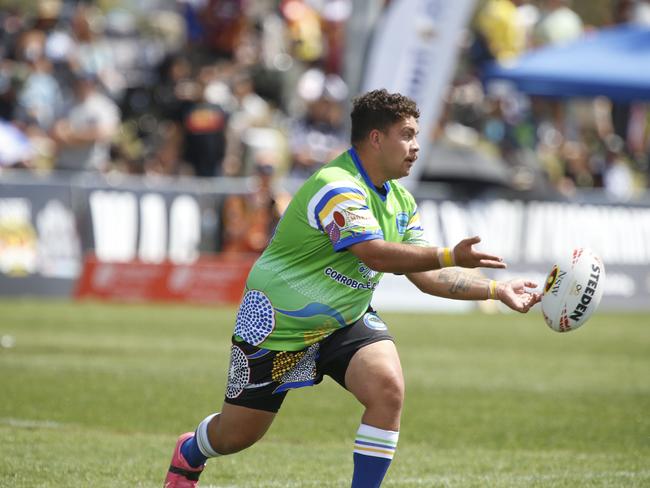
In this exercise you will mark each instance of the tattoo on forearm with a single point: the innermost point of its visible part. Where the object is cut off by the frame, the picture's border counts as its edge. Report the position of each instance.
(458, 282)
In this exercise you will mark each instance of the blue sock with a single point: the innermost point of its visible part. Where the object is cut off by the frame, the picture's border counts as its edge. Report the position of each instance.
(192, 453)
(373, 452)
(369, 471)
(197, 449)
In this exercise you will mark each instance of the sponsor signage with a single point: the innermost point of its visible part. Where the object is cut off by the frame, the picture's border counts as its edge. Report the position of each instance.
(208, 280)
(46, 227)
(153, 226)
(40, 248)
(587, 295)
(531, 237)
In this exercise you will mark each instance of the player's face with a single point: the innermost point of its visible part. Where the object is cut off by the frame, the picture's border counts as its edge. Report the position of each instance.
(399, 148)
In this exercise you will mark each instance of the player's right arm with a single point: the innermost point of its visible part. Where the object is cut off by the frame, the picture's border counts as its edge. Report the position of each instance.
(393, 257)
(459, 284)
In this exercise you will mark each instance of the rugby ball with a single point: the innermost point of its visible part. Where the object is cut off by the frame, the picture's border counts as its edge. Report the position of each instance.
(573, 290)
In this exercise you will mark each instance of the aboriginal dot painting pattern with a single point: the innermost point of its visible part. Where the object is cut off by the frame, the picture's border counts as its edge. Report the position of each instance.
(238, 372)
(292, 366)
(283, 362)
(305, 368)
(255, 319)
(333, 232)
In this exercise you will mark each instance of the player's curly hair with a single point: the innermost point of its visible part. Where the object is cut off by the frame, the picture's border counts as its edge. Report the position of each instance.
(379, 109)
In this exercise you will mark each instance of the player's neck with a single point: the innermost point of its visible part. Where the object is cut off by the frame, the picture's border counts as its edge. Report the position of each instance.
(371, 167)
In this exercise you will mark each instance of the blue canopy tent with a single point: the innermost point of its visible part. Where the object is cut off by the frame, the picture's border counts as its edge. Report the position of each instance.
(612, 62)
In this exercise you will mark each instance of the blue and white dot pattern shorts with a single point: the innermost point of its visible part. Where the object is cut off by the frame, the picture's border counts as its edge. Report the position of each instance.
(256, 318)
(260, 378)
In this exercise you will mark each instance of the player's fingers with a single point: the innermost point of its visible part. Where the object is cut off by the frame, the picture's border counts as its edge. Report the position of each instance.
(525, 306)
(533, 299)
(530, 284)
(482, 255)
(492, 263)
(519, 306)
(470, 241)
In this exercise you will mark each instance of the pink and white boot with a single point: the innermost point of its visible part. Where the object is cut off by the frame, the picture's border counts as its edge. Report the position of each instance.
(181, 474)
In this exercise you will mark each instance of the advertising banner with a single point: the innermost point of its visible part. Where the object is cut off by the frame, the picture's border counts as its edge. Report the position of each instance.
(531, 237)
(48, 224)
(40, 248)
(122, 224)
(208, 280)
(158, 243)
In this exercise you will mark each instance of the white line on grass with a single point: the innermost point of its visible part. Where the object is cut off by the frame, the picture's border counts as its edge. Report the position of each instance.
(284, 484)
(523, 479)
(30, 424)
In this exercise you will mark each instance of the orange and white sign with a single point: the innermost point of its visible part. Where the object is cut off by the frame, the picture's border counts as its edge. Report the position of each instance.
(209, 280)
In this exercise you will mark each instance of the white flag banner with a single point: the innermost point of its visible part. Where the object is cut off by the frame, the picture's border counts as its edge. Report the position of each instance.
(414, 52)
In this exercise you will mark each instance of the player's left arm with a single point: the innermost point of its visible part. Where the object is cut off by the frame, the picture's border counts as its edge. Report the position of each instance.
(459, 284)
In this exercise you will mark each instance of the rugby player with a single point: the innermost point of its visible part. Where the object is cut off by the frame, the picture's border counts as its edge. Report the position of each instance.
(306, 309)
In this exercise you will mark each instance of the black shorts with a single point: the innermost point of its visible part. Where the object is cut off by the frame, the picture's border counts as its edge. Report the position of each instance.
(260, 378)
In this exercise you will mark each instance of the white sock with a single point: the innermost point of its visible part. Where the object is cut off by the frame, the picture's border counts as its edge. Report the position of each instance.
(202, 440)
(372, 441)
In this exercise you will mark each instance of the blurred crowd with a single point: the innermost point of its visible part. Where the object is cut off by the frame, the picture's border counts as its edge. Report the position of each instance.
(572, 143)
(200, 88)
(174, 87)
(256, 88)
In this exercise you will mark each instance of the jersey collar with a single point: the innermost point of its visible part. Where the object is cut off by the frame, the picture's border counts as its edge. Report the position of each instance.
(366, 178)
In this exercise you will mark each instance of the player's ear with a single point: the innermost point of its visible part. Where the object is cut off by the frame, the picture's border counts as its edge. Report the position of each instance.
(375, 138)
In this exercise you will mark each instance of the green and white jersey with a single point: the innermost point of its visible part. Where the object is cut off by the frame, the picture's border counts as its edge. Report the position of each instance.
(307, 284)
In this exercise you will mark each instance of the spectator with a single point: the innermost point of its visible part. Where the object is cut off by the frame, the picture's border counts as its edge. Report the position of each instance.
(316, 136)
(618, 178)
(629, 120)
(499, 26)
(16, 150)
(577, 165)
(248, 110)
(557, 24)
(170, 99)
(42, 29)
(40, 100)
(528, 16)
(85, 133)
(9, 86)
(204, 129)
(335, 14)
(641, 14)
(49, 24)
(304, 30)
(622, 11)
(319, 133)
(248, 221)
(12, 25)
(223, 23)
(161, 153)
(92, 52)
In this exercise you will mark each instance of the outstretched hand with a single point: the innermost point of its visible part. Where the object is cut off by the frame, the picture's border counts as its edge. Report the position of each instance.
(467, 257)
(515, 294)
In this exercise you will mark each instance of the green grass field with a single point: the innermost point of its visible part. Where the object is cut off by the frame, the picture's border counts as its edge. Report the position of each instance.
(95, 395)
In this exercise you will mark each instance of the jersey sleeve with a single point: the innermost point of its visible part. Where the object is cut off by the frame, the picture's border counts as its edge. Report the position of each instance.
(414, 231)
(340, 210)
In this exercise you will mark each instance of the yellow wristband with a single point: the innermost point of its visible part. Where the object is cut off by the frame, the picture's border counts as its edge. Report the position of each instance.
(446, 257)
(492, 290)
